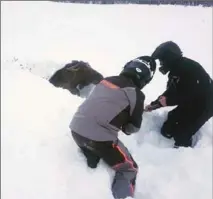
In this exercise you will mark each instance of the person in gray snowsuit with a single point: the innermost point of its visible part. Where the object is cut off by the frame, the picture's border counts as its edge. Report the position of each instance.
(116, 104)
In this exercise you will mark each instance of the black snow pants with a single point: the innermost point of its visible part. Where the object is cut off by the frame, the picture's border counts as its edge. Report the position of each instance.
(184, 121)
(115, 155)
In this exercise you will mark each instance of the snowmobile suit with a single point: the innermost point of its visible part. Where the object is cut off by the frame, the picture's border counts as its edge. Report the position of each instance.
(115, 155)
(191, 89)
(114, 105)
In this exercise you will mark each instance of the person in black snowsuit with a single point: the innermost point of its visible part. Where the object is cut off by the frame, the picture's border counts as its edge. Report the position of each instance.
(115, 105)
(189, 87)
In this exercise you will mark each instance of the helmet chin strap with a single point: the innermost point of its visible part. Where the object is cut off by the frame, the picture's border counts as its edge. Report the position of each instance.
(164, 68)
(163, 71)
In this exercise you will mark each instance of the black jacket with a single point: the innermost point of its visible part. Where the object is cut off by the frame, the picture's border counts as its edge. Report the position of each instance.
(188, 83)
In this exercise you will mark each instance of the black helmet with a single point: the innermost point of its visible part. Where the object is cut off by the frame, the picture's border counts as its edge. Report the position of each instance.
(140, 70)
(167, 52)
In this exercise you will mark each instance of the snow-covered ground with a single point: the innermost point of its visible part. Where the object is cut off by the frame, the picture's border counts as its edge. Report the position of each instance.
(39, 159)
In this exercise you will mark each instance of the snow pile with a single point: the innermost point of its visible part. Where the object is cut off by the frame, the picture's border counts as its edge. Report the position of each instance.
(39, 157)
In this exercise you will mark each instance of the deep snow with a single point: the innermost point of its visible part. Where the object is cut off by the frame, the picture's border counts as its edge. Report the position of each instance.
(39, 158)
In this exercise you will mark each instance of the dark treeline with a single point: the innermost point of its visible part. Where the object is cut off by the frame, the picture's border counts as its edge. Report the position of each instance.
(155, 2)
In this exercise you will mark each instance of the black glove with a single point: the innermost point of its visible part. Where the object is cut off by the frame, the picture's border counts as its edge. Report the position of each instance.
(153, 106)
(123, 129)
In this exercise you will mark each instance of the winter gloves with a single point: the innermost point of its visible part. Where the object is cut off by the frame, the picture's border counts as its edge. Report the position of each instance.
(160, 102)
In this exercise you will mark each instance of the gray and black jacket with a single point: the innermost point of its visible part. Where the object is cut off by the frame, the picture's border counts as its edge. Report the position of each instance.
(115, 104)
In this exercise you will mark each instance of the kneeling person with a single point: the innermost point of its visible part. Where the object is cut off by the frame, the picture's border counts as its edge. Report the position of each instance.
(116, 104)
